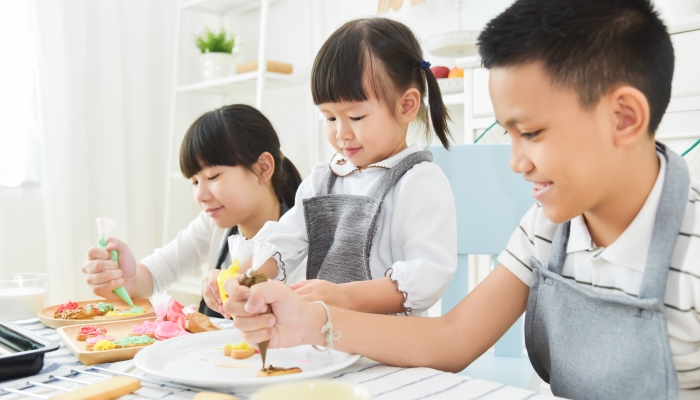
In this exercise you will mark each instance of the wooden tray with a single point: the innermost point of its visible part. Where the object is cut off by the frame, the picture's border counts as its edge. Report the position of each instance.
(46, 315)
(115, 329)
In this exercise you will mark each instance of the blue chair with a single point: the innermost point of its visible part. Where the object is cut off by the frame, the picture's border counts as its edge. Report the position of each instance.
(490, 201)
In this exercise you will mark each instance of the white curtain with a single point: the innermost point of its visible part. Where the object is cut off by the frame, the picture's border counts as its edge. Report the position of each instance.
(105, 71)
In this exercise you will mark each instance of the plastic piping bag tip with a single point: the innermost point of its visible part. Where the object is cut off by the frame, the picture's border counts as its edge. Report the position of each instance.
(124, 295)
(263, 351)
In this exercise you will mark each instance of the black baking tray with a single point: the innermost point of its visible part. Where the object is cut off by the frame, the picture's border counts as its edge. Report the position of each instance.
(21, 351)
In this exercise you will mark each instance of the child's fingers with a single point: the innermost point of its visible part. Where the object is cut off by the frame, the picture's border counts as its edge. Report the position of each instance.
(96, 253)
(97, 266)
(258, 336)
(304, 290)
(106, 289)
(116, 244)
(254, 323)
(213, 300)
(262, 294)
(104, 277)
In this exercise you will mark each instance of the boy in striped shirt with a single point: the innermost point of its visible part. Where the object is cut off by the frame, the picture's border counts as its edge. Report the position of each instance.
(606, 263)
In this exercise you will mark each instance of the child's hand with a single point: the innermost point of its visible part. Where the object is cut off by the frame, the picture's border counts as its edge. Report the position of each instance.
(210, 292)
(293, 321)
(328, 292)
(104, 275)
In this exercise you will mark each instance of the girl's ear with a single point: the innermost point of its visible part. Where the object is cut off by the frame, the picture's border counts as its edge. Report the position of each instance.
(409, 103)
(265, 168)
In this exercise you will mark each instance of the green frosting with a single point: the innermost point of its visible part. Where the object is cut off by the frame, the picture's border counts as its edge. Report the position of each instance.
(103, 307)
(135, 340)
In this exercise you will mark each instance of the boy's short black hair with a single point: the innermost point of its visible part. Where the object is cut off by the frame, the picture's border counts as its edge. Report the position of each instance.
(587, 45)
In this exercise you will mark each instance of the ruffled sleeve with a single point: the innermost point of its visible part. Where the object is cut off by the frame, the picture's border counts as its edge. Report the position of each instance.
(424, 231)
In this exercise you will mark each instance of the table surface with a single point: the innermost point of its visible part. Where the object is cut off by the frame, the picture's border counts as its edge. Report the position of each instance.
(385, 382)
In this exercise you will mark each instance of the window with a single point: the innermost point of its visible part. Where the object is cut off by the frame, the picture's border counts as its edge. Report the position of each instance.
(20, 156)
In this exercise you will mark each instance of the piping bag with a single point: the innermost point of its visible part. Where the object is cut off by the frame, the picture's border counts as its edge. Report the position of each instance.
(261, 252)
(104, 228)
(240, 250)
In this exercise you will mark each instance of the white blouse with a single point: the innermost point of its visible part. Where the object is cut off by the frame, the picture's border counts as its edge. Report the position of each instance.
(200, 242)
(416, 239)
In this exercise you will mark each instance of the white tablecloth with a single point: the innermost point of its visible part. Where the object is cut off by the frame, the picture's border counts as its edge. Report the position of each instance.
(384, 381)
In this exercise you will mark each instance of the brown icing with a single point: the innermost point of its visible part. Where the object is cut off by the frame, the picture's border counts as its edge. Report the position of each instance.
(255, 278)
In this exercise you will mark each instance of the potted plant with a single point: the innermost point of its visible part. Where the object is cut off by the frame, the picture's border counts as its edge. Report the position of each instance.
(216, 51)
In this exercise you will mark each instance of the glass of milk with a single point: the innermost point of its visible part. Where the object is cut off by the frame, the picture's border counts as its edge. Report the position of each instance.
(22, 295)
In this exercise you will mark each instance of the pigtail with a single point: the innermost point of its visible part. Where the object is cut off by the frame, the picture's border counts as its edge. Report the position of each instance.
(438, 111)
(289, 181)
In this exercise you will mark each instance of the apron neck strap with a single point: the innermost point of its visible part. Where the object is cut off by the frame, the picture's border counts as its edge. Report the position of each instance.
(327, 184)
(667, 225)
(394, 174)
(557, 254)
(224, 248)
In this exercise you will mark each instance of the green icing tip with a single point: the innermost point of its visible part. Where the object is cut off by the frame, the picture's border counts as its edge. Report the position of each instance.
(124, 295)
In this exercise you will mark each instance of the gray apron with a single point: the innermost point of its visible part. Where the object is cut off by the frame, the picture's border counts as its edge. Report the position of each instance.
(598, 346)
(341, 227)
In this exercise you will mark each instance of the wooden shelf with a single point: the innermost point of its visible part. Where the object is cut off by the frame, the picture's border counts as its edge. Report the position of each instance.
(239, 83)
(220, 6)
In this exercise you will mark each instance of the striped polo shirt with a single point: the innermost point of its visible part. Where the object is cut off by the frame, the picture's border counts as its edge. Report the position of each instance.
(618, 268)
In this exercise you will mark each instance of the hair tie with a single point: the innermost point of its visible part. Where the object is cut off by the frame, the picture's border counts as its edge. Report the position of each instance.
(281, 156)
(424, 64)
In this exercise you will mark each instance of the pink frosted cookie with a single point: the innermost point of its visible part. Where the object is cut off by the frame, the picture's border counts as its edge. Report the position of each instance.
(147, 328)
(89, 331)
(91, 341)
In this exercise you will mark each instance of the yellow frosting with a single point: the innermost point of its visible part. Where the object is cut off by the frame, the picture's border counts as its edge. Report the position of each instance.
(225, 275)
(228, 346)
(240, 346)
(127, 313)
(104, 345)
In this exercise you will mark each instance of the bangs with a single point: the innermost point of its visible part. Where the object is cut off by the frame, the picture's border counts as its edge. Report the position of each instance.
(340, 66)
(204, 146)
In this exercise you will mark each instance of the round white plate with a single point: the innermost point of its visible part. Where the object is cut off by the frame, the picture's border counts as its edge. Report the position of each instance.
(199, 360)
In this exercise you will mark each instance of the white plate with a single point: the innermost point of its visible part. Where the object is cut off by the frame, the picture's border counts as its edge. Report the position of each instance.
(195, 360)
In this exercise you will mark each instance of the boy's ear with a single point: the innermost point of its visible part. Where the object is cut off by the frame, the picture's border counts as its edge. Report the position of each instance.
(631, 118)
(410, 104)
(265, 167)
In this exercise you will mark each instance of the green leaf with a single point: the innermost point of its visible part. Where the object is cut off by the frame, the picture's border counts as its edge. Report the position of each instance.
(212, 42)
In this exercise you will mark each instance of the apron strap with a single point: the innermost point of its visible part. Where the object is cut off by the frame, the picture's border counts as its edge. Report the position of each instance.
(394, 174)
(557, 254)
(667, 225)
(327, 184)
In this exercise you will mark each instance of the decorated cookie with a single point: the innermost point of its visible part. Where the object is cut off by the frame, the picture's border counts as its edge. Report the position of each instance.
(102, 345)
(78, 313)
(241, 351)
(92, 341)
(275, 371)
(134, 341)
(100, 308)
(89, 331)
(147, 328)
(127, 312)
(71, 305)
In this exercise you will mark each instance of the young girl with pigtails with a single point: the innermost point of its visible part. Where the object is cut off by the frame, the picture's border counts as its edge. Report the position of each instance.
(378, 221)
